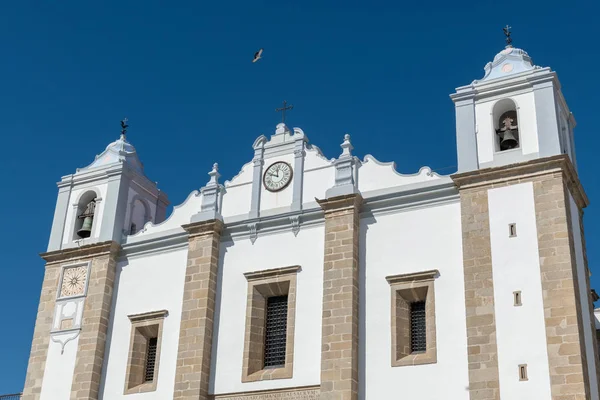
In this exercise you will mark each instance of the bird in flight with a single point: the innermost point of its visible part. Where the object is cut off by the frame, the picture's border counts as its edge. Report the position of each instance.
(257, 55)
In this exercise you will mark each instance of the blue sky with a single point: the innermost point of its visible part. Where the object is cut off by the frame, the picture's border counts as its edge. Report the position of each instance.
(181, 72)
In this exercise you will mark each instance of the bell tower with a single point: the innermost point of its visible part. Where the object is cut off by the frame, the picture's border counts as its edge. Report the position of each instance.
(109, 198)
(97, 207)
(515, 113)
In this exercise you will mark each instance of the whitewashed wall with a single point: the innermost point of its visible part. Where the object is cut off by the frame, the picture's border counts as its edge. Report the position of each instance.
(520, 332)
(588, 333)
(58, 372)
(269, 251)
(408, 242)
(152, 283)
(486, 134)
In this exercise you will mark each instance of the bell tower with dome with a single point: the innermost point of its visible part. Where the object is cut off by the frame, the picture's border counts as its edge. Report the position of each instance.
(97, 208)
(515, 113)
(108, 199)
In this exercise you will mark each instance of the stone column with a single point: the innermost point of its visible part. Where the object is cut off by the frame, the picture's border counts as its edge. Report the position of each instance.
(484, 378)
(339, 346)
(94, 324)
(197, 318)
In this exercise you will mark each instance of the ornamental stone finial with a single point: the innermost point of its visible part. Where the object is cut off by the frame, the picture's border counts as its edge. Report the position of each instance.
(346, 147)
(209, 209)
(345, 168)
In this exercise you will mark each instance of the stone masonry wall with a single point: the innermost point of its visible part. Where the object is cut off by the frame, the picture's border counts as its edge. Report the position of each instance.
(339, 347)
(92, 339)
(484, 381)
(41, 334)
(197, 318)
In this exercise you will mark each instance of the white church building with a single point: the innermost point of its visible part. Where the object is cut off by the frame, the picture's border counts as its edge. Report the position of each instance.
(308, 277)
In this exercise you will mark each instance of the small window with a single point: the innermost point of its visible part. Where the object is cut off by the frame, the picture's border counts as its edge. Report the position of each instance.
(151, 359)
(512, 230)
(418, 332)
(276, 331)
(523, 372)
(517, 298)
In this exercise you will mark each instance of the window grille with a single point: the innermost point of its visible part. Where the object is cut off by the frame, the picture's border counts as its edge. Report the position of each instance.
(150, 359)
(418, 333)
(276, 331)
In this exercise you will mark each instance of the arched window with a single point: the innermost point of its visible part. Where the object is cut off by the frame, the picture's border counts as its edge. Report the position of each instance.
(506, 125)
(84, 215)
(140, 214)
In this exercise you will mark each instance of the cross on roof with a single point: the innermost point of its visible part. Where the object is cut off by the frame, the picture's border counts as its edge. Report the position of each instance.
(507, 33)
(283, 109)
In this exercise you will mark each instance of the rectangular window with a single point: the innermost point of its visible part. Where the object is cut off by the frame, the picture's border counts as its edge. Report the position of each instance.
(276, 331)
(270, 316)
(413, 318)
(144, 352)
(150, 359)
(418, 332)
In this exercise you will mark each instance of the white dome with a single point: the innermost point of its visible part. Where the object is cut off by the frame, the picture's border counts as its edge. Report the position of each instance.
(508, 62)
(119, 151)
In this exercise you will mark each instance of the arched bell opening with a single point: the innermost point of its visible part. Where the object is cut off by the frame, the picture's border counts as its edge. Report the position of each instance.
(84, 215)
(139, 215)
(506, 125)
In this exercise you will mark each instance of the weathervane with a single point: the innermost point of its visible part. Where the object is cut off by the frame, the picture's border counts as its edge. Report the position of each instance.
(124, 127)
(507, 33)
(282, 109)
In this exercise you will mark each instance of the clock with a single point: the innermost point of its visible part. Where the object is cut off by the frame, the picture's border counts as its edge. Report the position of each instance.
(277, 176)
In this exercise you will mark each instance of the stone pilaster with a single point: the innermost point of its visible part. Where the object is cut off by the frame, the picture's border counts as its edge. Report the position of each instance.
(339, 346)
(41, 334)
(96, 314)
(553, 178)
(484, 380)
(197, 318)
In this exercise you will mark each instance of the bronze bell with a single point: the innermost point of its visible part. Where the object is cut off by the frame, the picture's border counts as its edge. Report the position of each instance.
(88, 220)
(86, 228)
(508, 140)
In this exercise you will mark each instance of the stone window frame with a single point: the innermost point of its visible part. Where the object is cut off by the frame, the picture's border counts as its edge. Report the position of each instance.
(405, 289)
(88, 265)
(143, 326)
(261, 285)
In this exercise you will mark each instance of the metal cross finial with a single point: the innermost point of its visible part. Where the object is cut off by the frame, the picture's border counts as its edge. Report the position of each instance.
(124, 127)
(282, 109)
(507, 33)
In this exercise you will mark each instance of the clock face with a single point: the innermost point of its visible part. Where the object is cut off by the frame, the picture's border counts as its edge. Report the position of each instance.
(277, 176)
(73, 282)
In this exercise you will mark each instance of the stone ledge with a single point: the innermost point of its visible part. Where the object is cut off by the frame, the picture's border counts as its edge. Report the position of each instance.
(271, 273)
(297, 393)
(416, 276)
(96, 249)
(203, 227)
(525, 171)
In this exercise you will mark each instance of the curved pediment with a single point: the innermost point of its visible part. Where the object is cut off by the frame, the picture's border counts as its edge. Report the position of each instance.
(374, 174)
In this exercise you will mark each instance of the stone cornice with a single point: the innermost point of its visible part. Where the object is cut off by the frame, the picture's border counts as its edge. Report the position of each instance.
(349, 202)
(523, 172)
(148, 316)
(271, 273)
(413, 277)
(203, 227)
(73, 253)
